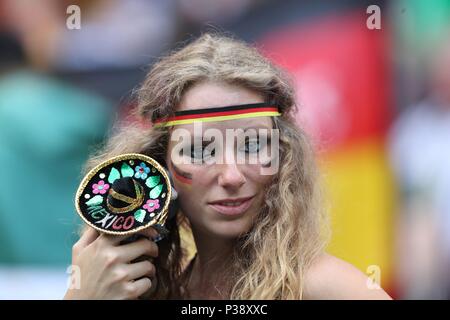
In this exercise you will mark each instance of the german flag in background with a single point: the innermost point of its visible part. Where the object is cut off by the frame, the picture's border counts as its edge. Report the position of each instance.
(341, 74)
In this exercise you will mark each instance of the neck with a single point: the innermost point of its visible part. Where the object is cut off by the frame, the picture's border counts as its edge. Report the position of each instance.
(210, 267)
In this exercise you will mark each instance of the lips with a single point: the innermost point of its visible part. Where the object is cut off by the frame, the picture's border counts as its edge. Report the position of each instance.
(231, 206)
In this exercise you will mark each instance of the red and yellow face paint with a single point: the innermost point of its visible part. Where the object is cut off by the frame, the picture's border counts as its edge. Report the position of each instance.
(181, 175)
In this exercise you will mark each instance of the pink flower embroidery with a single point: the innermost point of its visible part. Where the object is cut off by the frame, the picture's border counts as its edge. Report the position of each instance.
(152, 205)
(101, 187)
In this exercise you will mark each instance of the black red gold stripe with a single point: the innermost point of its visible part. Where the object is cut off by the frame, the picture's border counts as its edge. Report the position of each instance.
(219, 114)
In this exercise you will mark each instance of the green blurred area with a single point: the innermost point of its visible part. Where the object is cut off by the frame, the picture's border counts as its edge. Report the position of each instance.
(47, 129)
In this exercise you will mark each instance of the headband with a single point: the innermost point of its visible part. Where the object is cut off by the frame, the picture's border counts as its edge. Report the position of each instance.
(219, 114)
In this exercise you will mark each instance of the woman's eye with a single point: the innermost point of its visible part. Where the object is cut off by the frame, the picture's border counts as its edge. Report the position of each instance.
(252, 146)
(203, 153)
(196, 153)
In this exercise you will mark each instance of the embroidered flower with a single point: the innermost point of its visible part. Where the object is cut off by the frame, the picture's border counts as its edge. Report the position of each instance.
(142, 171)
(152, 205)
(100, 187)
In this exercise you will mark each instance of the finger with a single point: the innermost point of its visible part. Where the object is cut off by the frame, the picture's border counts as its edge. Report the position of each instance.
(113, 239)
(139, 287)
(88, 236)
(150, 232)
(140, 269)
(141, 247)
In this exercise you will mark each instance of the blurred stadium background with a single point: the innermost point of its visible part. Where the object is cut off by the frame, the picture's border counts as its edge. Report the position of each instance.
(376, 102)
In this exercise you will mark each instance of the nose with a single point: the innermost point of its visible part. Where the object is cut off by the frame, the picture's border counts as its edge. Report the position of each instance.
(230, 176)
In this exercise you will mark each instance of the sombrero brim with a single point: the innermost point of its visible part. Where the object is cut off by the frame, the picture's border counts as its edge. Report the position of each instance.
(148, 206)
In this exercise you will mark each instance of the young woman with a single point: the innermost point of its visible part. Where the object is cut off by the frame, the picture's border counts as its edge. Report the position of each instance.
(257, 227)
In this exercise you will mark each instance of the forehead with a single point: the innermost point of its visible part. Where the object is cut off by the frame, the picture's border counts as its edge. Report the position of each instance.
(217, 94)
(237, 125)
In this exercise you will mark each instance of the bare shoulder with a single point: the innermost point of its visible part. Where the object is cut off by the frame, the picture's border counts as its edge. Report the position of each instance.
(332, 278)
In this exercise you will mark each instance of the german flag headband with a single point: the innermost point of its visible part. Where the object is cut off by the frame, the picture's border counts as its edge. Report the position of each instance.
(220, 114)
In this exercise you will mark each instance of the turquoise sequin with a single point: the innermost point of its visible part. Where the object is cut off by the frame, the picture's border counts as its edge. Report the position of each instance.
(152, 181)
(113, 175)
(126, 170)
(95, 201)
(140, 215)
(156, 191)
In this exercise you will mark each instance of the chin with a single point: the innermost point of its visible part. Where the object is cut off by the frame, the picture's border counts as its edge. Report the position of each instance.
(229, 229)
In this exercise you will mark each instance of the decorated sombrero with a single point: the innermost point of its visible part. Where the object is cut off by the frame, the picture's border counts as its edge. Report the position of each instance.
(125, 194)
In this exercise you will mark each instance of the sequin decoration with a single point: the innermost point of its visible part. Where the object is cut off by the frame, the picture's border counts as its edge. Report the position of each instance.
(156, 191)
(140, 215)
(142, 171)
(152, 205)
(87, 196)
(95, 201)
(113, 175)
(100, 187)
(102, 176)
(126, 170)
(152, 181)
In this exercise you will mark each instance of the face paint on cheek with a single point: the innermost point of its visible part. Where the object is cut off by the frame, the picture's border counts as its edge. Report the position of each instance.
(182, 176)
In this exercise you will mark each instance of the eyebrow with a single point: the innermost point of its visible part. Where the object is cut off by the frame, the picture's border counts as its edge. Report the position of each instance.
(206, 140)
